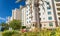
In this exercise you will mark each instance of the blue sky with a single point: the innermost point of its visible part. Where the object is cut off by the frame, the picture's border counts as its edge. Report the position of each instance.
(6, 7)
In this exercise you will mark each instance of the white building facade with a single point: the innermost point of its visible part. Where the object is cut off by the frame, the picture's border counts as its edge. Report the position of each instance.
(42, 13)
(23, 15)
(16, 14)
(47, 14)
(57, 10)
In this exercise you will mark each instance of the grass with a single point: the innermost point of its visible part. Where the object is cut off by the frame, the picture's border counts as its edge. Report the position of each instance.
(0, 33)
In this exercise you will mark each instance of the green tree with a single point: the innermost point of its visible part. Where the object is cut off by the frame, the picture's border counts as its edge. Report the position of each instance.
(5, 26)
(15, 24)
(23, 27)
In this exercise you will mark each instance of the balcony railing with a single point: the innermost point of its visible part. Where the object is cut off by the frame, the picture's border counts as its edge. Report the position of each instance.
(36, 4)
(57, 0)
(59, 14)
(58, 4)
(58, 9)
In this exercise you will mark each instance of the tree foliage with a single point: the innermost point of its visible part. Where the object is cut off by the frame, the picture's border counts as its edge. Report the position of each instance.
(15, 24)
(4, 25)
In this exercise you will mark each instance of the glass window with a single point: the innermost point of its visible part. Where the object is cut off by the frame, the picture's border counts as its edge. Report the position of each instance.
(49, 13)
(39, 18)
(59, 14)
(50, 18)
(59, 18)
(50, 24)
(43, 18)
(58, 4)
(48, 8)
(47, 3)
(27, 14)
(39, 13)
(27, 21)
(58, 9)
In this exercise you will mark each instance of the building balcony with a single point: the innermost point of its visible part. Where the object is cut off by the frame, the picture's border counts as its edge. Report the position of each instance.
(59, 18)
(28, 2)
(36, 4)
(31, 16)
(58, 9)
(57, 0)
(58, 12)
(40, 2)
(57, 4)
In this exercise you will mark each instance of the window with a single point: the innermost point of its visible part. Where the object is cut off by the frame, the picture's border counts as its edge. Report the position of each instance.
(29, 9)
(39, 18)
(49, 13)
(50, 24)
(43, 18)
(40, 25)
(50, 18)
(29, 21)
(27, 18)
(33, 24)
(39, 13)
(48, 8)
(58, 9)
(59, 18)
(44, 24)
(27, 14)
(58, 4)
(59, 14)
(39, 9)
(47, 3)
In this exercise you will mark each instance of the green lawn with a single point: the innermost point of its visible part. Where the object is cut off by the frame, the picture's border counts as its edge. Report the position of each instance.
(0, 33)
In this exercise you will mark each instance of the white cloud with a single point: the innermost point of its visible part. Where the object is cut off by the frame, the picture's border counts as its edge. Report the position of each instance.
(2, 18)
(17, 1)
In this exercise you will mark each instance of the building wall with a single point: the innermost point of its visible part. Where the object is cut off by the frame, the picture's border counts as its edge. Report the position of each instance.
(42, 13)
(47, 15)
(24, 10)
(57, 9)
(16, 14)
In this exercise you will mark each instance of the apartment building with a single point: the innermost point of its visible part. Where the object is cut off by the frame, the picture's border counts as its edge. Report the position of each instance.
(47, 14)
(42, 13)
(16, 14)
(57, 10)
(8, 19)
(23, 10)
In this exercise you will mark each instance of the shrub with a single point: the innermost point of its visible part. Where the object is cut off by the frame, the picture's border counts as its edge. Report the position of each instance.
(53, 33)
(23, 27)
(16, 35)
(9, 33)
